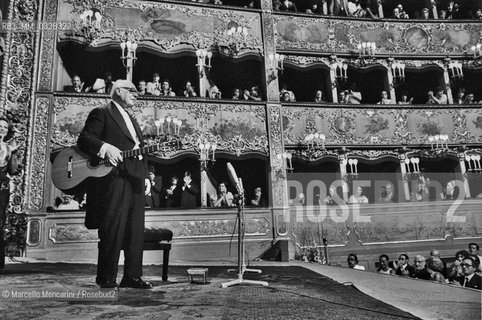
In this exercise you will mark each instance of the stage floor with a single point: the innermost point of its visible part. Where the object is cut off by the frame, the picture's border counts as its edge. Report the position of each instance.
(294, 292)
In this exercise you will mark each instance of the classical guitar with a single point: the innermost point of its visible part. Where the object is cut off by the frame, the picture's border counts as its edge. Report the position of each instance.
(71, 166)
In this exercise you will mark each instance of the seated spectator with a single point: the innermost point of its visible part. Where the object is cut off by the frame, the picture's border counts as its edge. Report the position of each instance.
(422, 192)
(419, 266)
(404, 99)
(103, 85)
(285, 97)
(236, 94)
(442, 14)
(319, 97)
(300, 200)
(384, 268)
(77, 85)
(425, 14)
(342, 97)
(154, 87)
(68, 202)
(224, 198)
(258, 200)
(354, 9)
(287, 6)
(252, 94)
(213, 92)
(474, 250)
(460, 99)
(142, 88)
(166, 89)
(384, 98)
(435, 267)
(439, 98)
(291, 93)
(172, 194)
(353, 96)
(402, 268)
(478, 14)
(403, 14)
(396, 13)
(353, 262)
(455, 270)
(451, 191)
(189, 90)
(387, 194)
(358, 197)
(333, 198)
(470, 279)
(470, 99)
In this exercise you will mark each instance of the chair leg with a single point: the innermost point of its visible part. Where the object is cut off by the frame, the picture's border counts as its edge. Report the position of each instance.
(165, 264)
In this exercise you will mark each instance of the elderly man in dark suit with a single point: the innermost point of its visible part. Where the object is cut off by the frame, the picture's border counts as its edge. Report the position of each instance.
(470, 279)
(115, 203)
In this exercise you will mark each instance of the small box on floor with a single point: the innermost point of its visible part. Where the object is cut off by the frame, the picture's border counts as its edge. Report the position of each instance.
(197, 272)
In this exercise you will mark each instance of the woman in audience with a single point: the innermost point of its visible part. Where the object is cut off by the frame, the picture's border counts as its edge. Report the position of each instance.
(358, 197)
(224, 198)
(352, 261)
(384, 268)
(258, 200)
(435, 268)
(166, 89)
(456, 269)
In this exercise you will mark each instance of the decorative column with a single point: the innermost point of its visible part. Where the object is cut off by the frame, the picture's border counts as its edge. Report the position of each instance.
(448, 89)
(463, 171)
(268, 26)
(334, 85)
(391, 86)
(403, 171)
(342, 160)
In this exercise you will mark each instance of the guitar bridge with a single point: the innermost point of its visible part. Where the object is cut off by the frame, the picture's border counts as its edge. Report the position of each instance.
(69, 167)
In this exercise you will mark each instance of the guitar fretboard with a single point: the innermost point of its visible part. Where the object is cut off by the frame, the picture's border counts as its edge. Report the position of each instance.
(136, 152)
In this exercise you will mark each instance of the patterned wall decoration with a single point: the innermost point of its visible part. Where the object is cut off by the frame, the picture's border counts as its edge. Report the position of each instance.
(276, 148)
(392, 38)
(373, 125)
(48, 45)
(238, 128)
(164, 27)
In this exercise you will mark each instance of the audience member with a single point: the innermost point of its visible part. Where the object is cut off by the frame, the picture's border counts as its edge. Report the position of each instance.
(470, 279)
(288, 6)
(442, 14)
(353, 262)
(384, 98)
(451, 191)
(332, 198)
(319, 97)
(425, 14)
(402, 268)
(404, 99)
(354, 9)
(68, 202)
(420, 271)
(189, 90)
(142, 88)
(189, 192)
(470, 99)
(154, 86)
(77, 85)
(422, 192)
(460, 99)
(258, 200)
(455, 270)
(224, 198)
(166, 89)
(439, 98)
(384, 268)
(435, 267)
(387, 194)
(474, 250)
(358, 197)
(172, 194)
(213, 92)
(353, 96)
(291, 93)
(103, 85)
(285, 97)
(236, 94)
(155, 185)
(252, 94)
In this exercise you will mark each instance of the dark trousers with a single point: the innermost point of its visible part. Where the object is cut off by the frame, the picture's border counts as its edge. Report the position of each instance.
(122, 227)
(4, 198)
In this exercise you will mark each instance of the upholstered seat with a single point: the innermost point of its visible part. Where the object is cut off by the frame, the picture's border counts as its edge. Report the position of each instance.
(157, 239)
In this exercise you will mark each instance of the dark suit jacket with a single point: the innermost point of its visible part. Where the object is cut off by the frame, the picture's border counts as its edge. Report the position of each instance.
(106, 125)
(172, 200)
(189, 196)
(475, 282)
(156, 192)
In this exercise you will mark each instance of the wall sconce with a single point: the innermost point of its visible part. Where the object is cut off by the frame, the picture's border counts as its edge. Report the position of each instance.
(475, 158)
(287, 164)
(476, 51)
(353, 163)
(236, 35)
(128, 58)
(175, 129)
(439, 140)
(91, 22)
(414, 168)
(312, 138)
(207, 150)
(201, 65)
(455, 72)
(398, 73)
(276, 65)
(366, 49)
(341, 72)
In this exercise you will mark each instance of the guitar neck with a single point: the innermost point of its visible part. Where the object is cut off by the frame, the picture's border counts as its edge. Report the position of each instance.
(141, 151)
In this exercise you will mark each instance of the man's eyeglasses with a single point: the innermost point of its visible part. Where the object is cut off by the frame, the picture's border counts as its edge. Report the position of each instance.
(465, 265)
(131, 90)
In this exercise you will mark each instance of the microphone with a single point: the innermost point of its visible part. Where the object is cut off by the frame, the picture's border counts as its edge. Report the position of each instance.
(234, 177)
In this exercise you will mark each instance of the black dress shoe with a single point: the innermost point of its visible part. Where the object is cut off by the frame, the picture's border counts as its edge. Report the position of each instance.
(108, 284)
(136, 283)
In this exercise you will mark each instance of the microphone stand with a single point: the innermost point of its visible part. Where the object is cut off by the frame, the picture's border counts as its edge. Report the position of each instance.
(241, 246)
